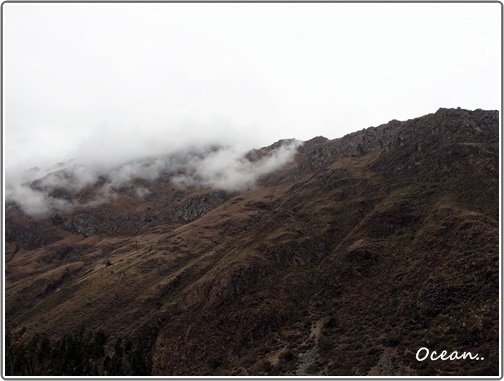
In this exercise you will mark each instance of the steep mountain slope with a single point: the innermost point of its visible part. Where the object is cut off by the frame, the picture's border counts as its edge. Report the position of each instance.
(345, 261)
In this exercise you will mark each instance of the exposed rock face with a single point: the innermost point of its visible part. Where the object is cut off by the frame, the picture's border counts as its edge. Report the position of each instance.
(426, 133)
(193, 208)
(343, 262)
(301, 252)
(30, 234)
(106, 220)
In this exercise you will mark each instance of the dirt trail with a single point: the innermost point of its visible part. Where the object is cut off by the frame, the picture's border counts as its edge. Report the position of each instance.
(310, 356)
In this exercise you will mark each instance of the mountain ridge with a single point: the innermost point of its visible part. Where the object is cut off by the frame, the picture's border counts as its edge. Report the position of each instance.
(324, 267)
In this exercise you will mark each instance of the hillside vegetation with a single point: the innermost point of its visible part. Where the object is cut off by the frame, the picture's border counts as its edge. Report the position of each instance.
(344, 262)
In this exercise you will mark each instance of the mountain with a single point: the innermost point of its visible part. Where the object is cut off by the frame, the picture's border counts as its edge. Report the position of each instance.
(345, 261)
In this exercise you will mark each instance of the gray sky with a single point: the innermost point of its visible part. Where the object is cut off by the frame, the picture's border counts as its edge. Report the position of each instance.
(110, 82)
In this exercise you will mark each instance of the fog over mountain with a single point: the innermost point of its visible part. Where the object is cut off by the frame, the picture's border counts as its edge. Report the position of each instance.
(251, 188)
(218, 167)
(343, 257)
(151, 79)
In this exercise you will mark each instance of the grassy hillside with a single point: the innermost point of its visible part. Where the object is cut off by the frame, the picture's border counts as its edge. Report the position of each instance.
(344, 262)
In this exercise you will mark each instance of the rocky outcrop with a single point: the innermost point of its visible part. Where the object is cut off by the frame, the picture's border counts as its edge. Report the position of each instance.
(425, 132)
(319, 153)
(299, 252)
(438, 142)
(192, 208)
(258, 154)
(109, 221)
(30, 234)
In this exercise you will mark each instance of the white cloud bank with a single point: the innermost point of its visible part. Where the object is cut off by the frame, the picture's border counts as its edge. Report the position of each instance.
(151, 79)
(228, 170)
(224, 168)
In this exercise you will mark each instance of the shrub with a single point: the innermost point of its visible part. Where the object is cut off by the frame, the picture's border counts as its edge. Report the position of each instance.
(288, 355)
(266, 365)
(325, 343)
(215, 362)
(331, 323)
(392, 340)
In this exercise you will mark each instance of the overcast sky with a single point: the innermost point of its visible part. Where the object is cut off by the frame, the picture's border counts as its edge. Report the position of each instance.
(114, 81)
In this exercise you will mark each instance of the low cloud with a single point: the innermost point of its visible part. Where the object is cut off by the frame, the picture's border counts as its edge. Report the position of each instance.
(228, 170)
(72, 178)
(220, 167)
(33, 202)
